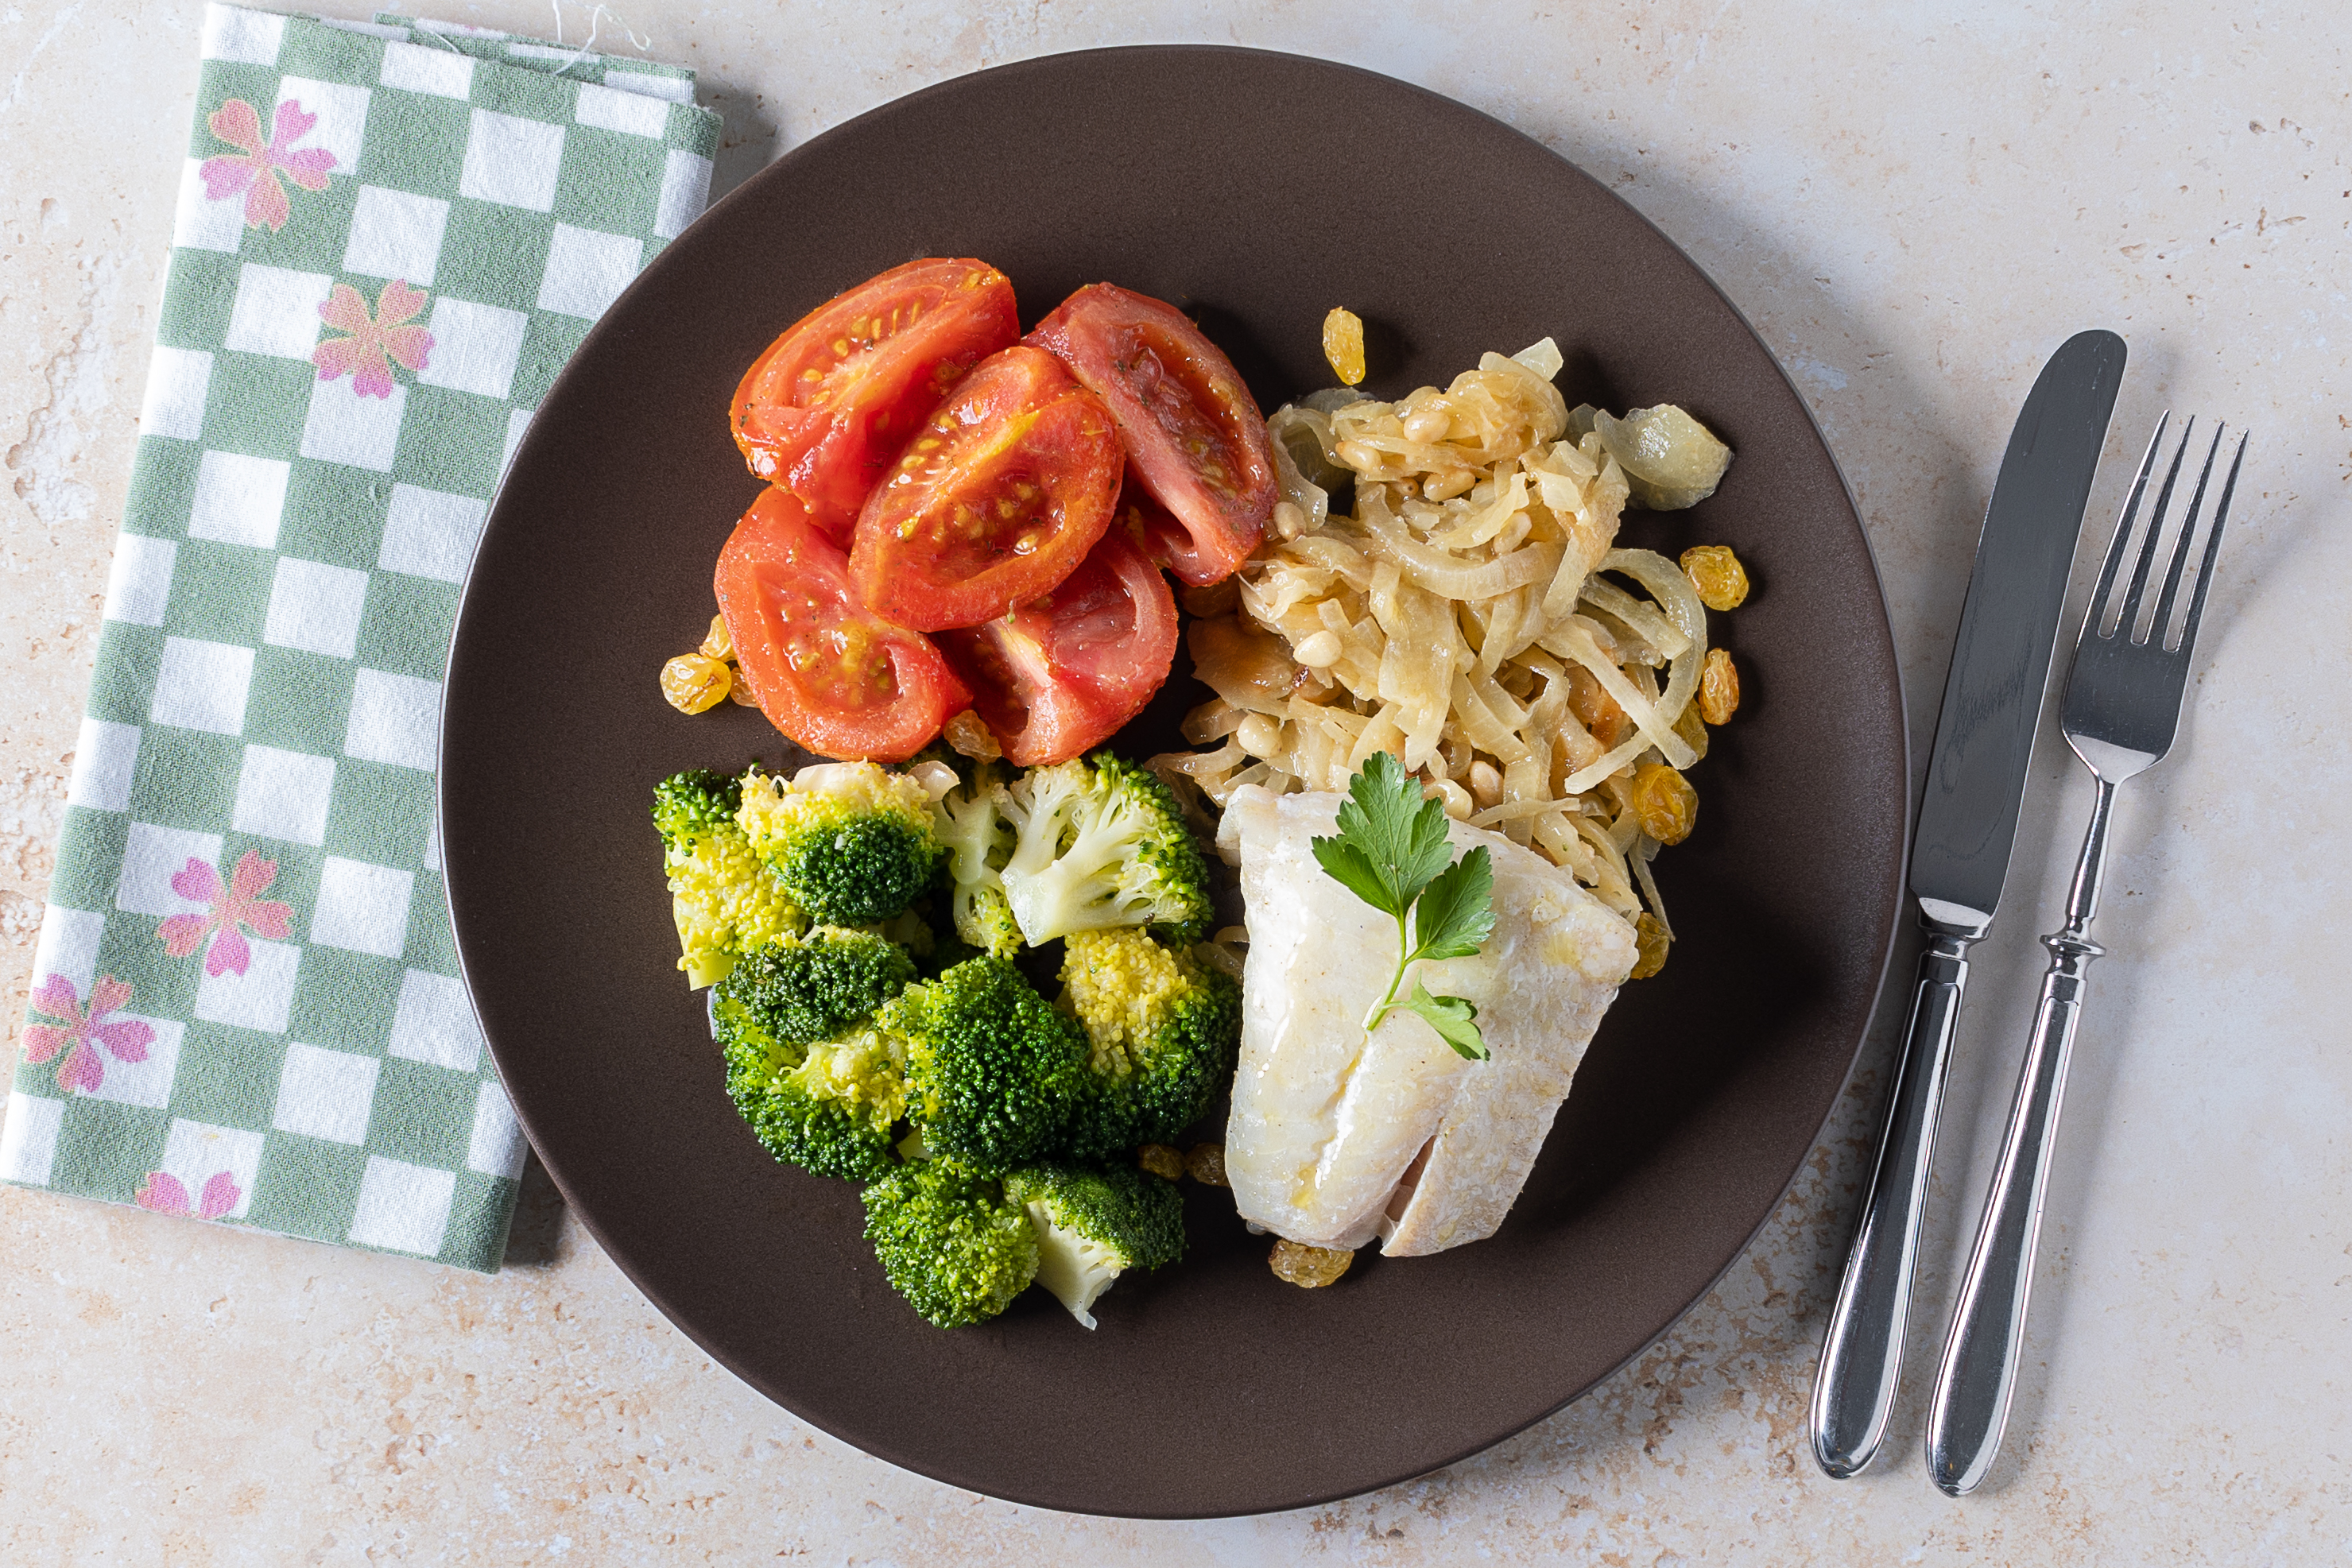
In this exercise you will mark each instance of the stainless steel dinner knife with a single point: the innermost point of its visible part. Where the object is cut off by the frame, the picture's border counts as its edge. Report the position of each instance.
(1960, 856)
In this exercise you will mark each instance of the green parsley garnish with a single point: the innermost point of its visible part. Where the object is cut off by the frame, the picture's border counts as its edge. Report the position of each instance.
(1391, 852)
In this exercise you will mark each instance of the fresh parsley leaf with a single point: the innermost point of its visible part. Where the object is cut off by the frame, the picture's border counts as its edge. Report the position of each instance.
(1351, 868)
(1455, 914)
(1454, 1020)
(1391, 851)
(1400, 832)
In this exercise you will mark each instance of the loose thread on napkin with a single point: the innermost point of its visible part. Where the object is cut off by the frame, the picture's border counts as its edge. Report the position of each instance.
(246, 1006)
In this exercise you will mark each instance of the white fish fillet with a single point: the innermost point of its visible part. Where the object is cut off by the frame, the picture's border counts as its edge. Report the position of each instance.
(1335, 1139)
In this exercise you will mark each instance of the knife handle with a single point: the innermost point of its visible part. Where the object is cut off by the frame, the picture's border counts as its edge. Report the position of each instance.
(1853, 1391)
(1979, 1369)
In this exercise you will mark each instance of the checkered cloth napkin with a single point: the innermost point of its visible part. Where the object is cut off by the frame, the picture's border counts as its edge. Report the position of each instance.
(246, 1006)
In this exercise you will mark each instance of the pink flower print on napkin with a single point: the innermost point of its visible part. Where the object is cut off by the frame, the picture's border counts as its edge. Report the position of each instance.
(164, 1194)
(241, 905)
(376, 341)
(126, 1039)
(254, 169)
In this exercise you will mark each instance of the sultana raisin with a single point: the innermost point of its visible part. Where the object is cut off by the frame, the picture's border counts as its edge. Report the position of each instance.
(1343, 345)
(969, 735)
(1664, 803)
(694, 682)
(1594, 708)
(1691, 725)
(1217, 599)
(1650, 944)
(718, 644)
(1160, 1160)
(1715, 573)
(1718, 687)
(1205, 1163)
(1308, 1267)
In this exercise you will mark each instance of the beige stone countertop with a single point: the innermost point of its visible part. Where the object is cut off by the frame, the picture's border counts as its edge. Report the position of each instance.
(1913, 211)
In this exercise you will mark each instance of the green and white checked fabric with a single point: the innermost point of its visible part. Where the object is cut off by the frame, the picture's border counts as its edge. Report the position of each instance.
(648, 76)
(245, 1007)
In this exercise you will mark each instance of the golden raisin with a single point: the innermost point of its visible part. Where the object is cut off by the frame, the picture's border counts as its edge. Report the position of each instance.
(718, 644)
(1207, 603)
(1692, 726)
(1596, 709)
(740, 691)
(969, 735)
(1718, 687)
(694, 682)
(1650, 944)
(1160, 1160)
(1308, 1267)
(1205, 1163)
(1343, 345)
(1715, 573)
(1664, 803)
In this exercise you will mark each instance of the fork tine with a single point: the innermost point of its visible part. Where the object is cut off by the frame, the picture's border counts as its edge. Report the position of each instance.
(2127, 620)
(2213, 549)
(2116, 546)
(2160, 628)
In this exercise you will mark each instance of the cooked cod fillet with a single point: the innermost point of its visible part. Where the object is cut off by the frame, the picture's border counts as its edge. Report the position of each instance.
(1335, 1139)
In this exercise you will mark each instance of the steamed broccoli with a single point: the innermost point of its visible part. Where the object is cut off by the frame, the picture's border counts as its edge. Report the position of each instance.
(950, 1241)
(692, 805)
(970, 823)
(1100, 843)
(851, 843)
(1164, 1028)
(1093, 1226)
(819, 1082)
(995, 1075)
(724, 900)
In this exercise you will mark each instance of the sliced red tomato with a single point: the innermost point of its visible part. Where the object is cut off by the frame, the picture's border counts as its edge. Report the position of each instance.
(827, 671)
(1193, 432)
(997, 498)
(1155, 532)
(826, 408)
(1063, 673)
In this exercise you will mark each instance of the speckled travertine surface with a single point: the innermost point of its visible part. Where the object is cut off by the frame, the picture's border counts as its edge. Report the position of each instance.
(1912, 211)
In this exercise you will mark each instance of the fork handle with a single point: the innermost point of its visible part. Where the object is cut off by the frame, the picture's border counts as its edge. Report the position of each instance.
(1979, 1374)
(1861, 1352)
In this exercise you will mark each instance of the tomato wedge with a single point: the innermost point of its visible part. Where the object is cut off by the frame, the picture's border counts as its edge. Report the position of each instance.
(827, 672)
(824, 409)
(995, 500)
(1063, 673)
(1192, 429)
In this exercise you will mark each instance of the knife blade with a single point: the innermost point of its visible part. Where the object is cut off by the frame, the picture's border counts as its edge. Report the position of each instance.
(1959, 857)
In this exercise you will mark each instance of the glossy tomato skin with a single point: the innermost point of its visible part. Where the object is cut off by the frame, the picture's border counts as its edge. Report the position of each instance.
(824, 409)
(996, 498)
(827, 671)
(1062, 674)
(1194, 434)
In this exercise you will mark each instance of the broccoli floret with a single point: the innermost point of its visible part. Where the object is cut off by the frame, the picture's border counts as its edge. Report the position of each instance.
(1094, 1225)
(995, 1075)
(970, 825)
(950, 1241)
(724, 899)
(688, 806)
(1100, 843)
(819, 1082)
(1164, 1028)
(851, 843)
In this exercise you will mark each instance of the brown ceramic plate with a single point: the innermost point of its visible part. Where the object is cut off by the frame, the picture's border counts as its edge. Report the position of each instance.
(1257, 191)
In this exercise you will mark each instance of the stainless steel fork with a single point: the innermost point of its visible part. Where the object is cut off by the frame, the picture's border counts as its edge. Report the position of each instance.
(2122, 708)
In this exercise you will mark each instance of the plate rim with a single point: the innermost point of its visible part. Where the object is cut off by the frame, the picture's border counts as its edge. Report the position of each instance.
(1891, 927)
